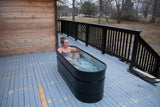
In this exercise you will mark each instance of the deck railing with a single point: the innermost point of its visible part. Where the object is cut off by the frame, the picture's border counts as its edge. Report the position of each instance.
(125, 44)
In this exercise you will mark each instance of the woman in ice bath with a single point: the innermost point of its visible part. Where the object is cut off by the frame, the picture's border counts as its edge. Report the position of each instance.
(70, 53)
(65, 50)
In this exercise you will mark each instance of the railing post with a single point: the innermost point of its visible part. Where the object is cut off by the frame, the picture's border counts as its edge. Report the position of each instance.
(157, 68)
(62, 26)
(67, 27)
(104, 40)
(75, 31)
(87, 34)
(59, 24)
(134, 51)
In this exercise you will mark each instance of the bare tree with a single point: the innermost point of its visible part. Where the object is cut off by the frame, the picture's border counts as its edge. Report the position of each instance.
(73, 10)
(127, 10)
(137, 6)
(154, 10)
(146, 7)
(119, 5)
(107, 9)
(59, 7)
(79, 5)
(100, 12)
(158, 13)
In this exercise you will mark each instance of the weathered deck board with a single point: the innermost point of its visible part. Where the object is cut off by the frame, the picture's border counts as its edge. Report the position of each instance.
(34, 82)
(3, 75)
(30, 84)
(20, 76)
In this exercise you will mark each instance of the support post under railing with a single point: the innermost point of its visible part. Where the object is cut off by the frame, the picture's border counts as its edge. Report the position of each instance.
(87, 34)
(62, 26)
(134, 51)
(156, 73)
(104, 40)
(67, 28)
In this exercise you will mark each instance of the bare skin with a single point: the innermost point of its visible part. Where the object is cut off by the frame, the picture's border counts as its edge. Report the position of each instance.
(66, 48)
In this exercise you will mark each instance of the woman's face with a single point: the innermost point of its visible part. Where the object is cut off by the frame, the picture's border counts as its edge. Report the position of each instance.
(65, 43)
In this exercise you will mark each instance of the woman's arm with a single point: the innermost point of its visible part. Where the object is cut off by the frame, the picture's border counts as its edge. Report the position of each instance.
(76, 63)
(73, 49)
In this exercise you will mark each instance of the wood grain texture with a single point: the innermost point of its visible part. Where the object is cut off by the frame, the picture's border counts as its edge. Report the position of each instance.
(42, 95)
(27, 26)
(26, 3)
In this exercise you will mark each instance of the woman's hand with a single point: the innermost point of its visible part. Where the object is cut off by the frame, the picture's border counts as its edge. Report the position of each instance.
(73, 49)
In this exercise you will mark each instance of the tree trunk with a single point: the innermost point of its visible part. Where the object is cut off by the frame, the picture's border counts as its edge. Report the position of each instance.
(100, 11)
(119, 8)
(119, 17)
(118, 14)
(145, 15)
(154, 10)
(73, 11)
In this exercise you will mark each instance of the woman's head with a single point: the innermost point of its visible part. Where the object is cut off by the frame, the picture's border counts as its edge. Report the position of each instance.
(64, 41)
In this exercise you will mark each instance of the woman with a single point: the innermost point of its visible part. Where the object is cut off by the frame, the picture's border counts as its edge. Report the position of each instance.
(69, 52)
(65, 50)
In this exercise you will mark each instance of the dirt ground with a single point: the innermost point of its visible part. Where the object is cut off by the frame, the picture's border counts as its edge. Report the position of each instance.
(150, 31)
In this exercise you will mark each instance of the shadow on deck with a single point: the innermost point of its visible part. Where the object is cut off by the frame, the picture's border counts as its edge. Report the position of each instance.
(20, 76)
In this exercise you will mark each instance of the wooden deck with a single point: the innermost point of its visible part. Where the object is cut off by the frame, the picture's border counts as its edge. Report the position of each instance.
(21, 75)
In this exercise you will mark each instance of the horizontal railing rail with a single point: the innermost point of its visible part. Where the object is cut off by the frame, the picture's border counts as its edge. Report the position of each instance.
(125, 44)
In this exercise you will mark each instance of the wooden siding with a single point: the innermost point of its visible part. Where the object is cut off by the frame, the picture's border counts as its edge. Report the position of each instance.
(27, 26)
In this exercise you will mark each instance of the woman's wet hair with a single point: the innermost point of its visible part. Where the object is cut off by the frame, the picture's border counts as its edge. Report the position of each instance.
(62, 39)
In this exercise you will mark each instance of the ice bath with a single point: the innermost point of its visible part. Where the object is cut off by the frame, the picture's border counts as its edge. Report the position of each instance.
(86, 62)
(83, 73)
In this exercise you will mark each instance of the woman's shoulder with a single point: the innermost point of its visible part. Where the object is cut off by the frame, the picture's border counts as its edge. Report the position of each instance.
(71, 48)
(59, 49)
